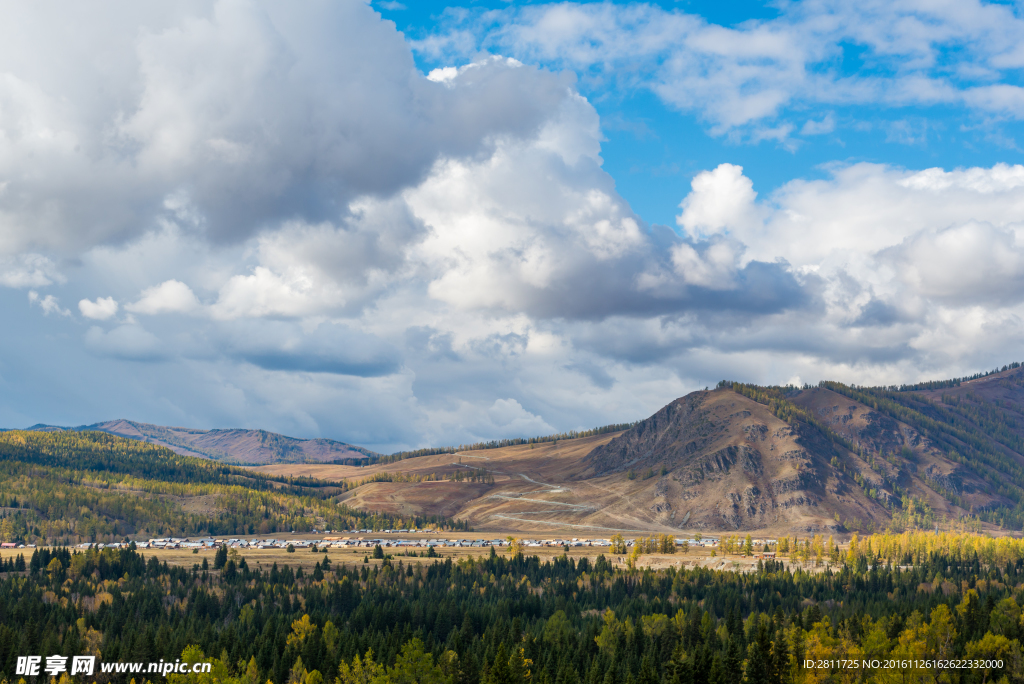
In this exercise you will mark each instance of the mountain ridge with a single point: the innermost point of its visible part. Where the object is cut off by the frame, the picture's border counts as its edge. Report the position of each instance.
(231, 446)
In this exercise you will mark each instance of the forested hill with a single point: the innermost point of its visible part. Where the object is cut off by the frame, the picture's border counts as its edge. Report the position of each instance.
(977, 424)
(833, 457)
(953, 446)
(108, 455)
(70, 487)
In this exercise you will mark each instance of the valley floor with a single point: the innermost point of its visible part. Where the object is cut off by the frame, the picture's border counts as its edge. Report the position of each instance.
(265, 558)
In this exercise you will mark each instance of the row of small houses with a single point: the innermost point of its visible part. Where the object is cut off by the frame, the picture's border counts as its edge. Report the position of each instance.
(346, 542)
(387, 542)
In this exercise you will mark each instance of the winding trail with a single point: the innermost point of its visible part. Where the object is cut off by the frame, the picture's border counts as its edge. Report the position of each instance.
(578, 507)
(546, 488)
(562, 524)
(551, 489)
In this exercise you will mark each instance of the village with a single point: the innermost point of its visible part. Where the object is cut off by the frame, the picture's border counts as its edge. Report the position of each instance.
(394, 539)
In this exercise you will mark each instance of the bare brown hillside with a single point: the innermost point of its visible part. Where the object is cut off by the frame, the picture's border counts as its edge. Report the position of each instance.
(728, 463)
(711, 461)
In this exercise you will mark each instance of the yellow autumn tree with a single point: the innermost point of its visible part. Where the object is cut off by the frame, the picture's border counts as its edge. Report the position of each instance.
(362, 671)
(301, 629)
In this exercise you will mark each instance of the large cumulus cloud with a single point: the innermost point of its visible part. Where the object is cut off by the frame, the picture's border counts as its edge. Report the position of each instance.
(923, 267)
(238, 214)
(236, 114)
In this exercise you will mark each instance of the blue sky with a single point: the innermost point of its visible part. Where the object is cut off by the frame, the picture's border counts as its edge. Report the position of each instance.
(653, 149)
(442, 223)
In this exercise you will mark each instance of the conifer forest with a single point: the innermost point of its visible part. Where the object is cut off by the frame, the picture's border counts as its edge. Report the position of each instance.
(915, 607)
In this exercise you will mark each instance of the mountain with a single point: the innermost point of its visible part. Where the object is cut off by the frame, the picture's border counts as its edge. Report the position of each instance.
(724, 461)
(237, 447)
(883, 456)
(832, 458)
(710, 461)
(248, 447)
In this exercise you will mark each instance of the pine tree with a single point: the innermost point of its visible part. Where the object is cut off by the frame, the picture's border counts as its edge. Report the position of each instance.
(220, 558)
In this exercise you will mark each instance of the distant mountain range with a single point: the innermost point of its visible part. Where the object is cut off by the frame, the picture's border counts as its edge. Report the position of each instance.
(236, 447)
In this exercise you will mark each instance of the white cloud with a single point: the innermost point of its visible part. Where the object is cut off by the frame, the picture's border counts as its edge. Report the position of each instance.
(864, 208)
(720, 200)
(443, 74)
(28, 270)
(908, 266)
(1001, 178)
(473, 423)
(715, 268)
(321, 347)
(826, 125)
(49, 304)
(736, 78)
(102, 309)
(241, 112)
(972, 263)
(266, 293)
(325, 268)
(171, 296)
